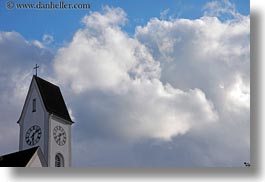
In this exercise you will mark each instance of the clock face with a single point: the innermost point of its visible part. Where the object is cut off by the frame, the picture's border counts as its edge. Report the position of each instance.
(59, 135)
(33, 135)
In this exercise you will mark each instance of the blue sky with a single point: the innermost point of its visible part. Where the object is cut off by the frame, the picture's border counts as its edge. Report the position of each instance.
(140, 100)
(61, 24)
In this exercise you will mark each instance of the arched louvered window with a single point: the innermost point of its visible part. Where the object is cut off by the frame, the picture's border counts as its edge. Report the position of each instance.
(59, 161)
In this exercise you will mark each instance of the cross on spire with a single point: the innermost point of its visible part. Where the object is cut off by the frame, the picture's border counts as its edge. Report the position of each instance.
(36, 68)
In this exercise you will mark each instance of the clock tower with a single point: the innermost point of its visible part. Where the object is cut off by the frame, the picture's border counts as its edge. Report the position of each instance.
(46, 123)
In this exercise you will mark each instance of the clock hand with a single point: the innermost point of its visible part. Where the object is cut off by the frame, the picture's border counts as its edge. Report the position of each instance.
(32, 136)
(59, 136)
(34, 133)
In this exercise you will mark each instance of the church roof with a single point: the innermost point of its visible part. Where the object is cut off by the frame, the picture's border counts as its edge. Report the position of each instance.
(18, 159)
(52, 98)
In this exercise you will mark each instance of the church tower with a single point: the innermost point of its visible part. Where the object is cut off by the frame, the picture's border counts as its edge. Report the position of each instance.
(45, 122)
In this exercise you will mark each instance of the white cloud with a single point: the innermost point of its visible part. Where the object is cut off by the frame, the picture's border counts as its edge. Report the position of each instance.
(101, 56)
(203, 53)
(47, 39)
(238, 95)
(221, 9)
(103, 59)
(189, 84)
(110, 18)
(18, 57)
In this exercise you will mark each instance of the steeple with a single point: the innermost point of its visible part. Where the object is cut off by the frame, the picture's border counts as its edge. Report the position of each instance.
(45, 122)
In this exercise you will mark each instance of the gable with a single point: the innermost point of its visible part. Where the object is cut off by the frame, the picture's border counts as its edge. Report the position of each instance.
(51, 97)
(37, 160)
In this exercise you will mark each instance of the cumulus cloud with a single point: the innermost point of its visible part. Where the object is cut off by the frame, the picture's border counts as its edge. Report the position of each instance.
(101, 56)
(133, 103)
(221, 47)
(188, 85)
(212, 55)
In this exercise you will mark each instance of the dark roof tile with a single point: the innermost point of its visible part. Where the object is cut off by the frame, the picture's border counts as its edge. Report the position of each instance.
(52, 98)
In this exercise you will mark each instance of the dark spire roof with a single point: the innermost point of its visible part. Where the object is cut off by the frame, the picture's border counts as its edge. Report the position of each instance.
(17, 159)
(52, 98)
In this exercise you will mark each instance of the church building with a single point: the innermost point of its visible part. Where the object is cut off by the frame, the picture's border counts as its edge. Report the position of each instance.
(45, 129)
